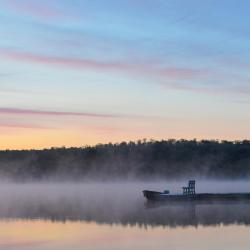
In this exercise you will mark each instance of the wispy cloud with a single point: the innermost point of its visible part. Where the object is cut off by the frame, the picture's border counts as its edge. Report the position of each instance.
(17, 111)
(140, 68)
(164, 76)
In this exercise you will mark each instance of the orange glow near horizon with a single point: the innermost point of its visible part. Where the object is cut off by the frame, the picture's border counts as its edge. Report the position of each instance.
(33, 139)
(81, 131)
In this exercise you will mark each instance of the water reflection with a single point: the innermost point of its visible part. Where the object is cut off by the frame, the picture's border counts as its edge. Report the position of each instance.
(75, 217)
(198, 214)
(165, 215)
(46, 235)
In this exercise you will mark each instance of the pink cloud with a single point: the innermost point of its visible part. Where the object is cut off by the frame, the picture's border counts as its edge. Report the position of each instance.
(17, 111)
(149, 69)
(163, 75)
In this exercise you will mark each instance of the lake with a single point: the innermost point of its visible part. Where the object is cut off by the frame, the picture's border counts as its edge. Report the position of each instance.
(116, 216)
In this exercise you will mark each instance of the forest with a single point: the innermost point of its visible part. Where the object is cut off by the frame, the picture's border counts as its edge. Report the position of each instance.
(143, 159)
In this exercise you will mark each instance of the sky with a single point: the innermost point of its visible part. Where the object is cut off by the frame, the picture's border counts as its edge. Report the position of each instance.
(83, 72)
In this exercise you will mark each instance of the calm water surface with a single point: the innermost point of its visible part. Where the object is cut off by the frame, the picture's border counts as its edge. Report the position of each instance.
(48, 235)
(115, 216)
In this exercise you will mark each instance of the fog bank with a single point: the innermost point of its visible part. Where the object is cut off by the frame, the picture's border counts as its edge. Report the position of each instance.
(119, 203)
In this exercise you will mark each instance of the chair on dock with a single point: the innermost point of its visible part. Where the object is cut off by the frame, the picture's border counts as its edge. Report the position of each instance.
(190, 189)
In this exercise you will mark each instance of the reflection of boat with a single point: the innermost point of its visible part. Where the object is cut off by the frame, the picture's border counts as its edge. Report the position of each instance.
(189, 195)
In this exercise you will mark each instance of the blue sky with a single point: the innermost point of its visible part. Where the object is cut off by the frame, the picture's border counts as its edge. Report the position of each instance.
(86, 72)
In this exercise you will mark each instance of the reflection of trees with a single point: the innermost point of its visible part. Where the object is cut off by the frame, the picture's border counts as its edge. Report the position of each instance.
(142, 216)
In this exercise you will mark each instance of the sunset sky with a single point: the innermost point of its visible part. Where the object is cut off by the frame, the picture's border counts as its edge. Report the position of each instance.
(95, 71)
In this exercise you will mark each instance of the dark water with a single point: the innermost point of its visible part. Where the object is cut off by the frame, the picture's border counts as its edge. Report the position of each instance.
(116, 216)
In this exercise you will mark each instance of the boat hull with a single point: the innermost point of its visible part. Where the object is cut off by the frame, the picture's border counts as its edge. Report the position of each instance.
(202, 197)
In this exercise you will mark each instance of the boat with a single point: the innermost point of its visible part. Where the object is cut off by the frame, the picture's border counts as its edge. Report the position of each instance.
(189, 195)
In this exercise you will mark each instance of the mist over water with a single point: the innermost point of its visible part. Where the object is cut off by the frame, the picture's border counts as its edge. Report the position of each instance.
(119, 203)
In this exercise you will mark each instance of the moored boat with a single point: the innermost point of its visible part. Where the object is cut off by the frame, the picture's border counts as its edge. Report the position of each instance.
(189, 195)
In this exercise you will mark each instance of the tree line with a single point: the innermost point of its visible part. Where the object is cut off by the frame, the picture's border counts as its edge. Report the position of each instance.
(130, 160)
